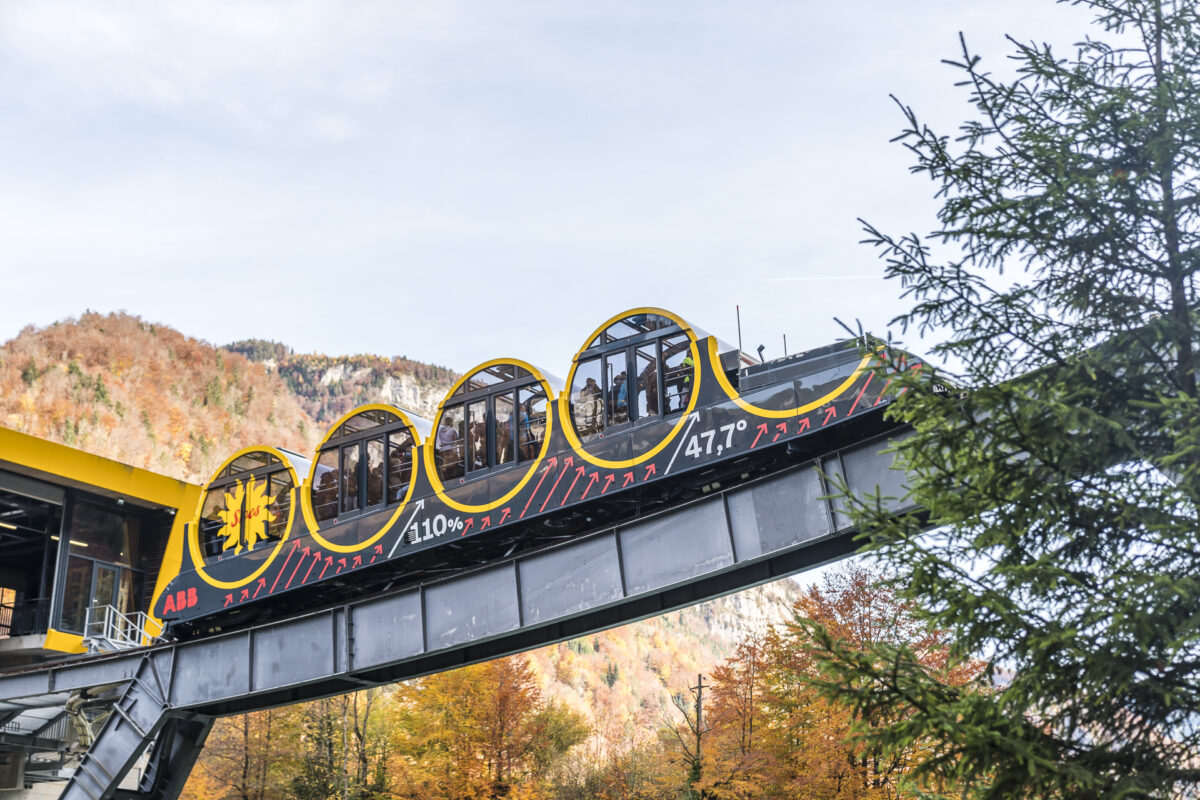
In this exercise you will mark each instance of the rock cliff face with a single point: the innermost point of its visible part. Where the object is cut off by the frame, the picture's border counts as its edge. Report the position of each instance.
(329, 386)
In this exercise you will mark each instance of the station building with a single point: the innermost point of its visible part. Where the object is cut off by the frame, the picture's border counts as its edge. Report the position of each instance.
(83, 540)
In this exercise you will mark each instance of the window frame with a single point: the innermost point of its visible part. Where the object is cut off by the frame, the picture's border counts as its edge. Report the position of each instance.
(358, 440)
(228, 479)
(487, 394)
(629, 346)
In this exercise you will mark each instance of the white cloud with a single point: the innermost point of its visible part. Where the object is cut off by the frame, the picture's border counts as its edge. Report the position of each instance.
(606, 155)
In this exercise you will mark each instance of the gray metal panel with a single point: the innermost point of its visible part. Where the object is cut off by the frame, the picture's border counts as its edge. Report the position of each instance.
(778, 513)
(832, 466)
(867, 468)
(297, 651)
(674, 547)
(211, 669)
(570, 579)
(340, 642)
(28, 684)
(387, 630)
(472, 607)
(28, 487)
(97, 672)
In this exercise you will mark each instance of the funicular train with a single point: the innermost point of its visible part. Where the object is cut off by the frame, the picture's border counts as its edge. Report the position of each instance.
(653, 412)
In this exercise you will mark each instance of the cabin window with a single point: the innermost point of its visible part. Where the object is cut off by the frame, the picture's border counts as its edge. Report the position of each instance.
(364, 466)
(325, 485)
(502, 405)
(497, 418)
(678, 373)
(399, 470)
(638, 370)
(647, 381)
(249, 503)
(531, 421)
(450, 444)
(587, 398)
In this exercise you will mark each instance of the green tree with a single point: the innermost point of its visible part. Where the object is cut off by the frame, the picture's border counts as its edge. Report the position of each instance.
(1064, 553)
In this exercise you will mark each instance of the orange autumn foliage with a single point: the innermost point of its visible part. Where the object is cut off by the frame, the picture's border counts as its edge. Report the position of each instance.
(482, 731)
(767, 730)
(145, 395)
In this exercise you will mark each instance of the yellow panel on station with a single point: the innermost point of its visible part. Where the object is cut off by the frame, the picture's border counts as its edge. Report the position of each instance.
(86, 471)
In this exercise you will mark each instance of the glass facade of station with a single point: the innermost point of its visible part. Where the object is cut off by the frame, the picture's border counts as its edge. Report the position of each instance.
(64, 550)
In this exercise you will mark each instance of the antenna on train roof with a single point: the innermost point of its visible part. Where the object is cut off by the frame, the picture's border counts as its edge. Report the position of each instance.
(739, 323)
(761, 347)
(785, 345)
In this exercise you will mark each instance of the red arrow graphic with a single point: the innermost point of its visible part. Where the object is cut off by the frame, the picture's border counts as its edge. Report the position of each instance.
(299, 564)
(608, 482)
(262, 584)
(592, 482)
(356, 563)
(627, 480)
(467, 527)
(883, 392)
(487, 522)
(830, 414)
(245, 596)
(328, 564)
(782, 428)
(341, 565)
(805, 424)
(578, 472)
(295, 547)
(762, 430)
(551, 464)
(228, 600)
(870, 375)
(316, 560)
(567, 462)
(651, 469)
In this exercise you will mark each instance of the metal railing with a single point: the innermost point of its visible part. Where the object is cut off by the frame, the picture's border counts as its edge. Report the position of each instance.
(106, 629)
(24, 617)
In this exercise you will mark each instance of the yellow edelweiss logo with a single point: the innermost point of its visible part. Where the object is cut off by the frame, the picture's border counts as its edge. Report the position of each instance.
(250, 529)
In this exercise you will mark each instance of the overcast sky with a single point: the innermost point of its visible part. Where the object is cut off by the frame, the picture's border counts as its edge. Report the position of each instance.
(460, 181)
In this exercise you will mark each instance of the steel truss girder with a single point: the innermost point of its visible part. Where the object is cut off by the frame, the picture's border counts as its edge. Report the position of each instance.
(728, 540)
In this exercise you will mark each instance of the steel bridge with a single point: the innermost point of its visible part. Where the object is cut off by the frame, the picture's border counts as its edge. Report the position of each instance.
(168, 695)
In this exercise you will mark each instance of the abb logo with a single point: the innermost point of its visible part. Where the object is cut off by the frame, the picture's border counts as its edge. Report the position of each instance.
(181, 600)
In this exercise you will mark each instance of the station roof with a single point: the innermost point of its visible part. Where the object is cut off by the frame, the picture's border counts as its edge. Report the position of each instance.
(62, 465)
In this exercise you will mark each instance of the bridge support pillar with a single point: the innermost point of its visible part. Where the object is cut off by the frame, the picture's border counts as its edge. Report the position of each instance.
(136, 720)
(175, 752)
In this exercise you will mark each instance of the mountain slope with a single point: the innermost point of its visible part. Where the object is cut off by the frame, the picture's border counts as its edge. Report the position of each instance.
(146, 395)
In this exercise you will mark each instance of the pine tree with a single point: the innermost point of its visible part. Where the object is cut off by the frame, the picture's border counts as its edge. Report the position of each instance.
(1064, 481)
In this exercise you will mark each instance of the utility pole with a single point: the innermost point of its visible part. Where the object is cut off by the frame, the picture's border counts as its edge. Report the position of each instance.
(699, 690)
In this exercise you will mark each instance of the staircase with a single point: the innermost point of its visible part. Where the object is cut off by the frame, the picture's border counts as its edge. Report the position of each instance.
(107, 629)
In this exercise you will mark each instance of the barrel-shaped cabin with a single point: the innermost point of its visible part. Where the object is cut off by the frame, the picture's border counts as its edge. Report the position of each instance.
(652, 408)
